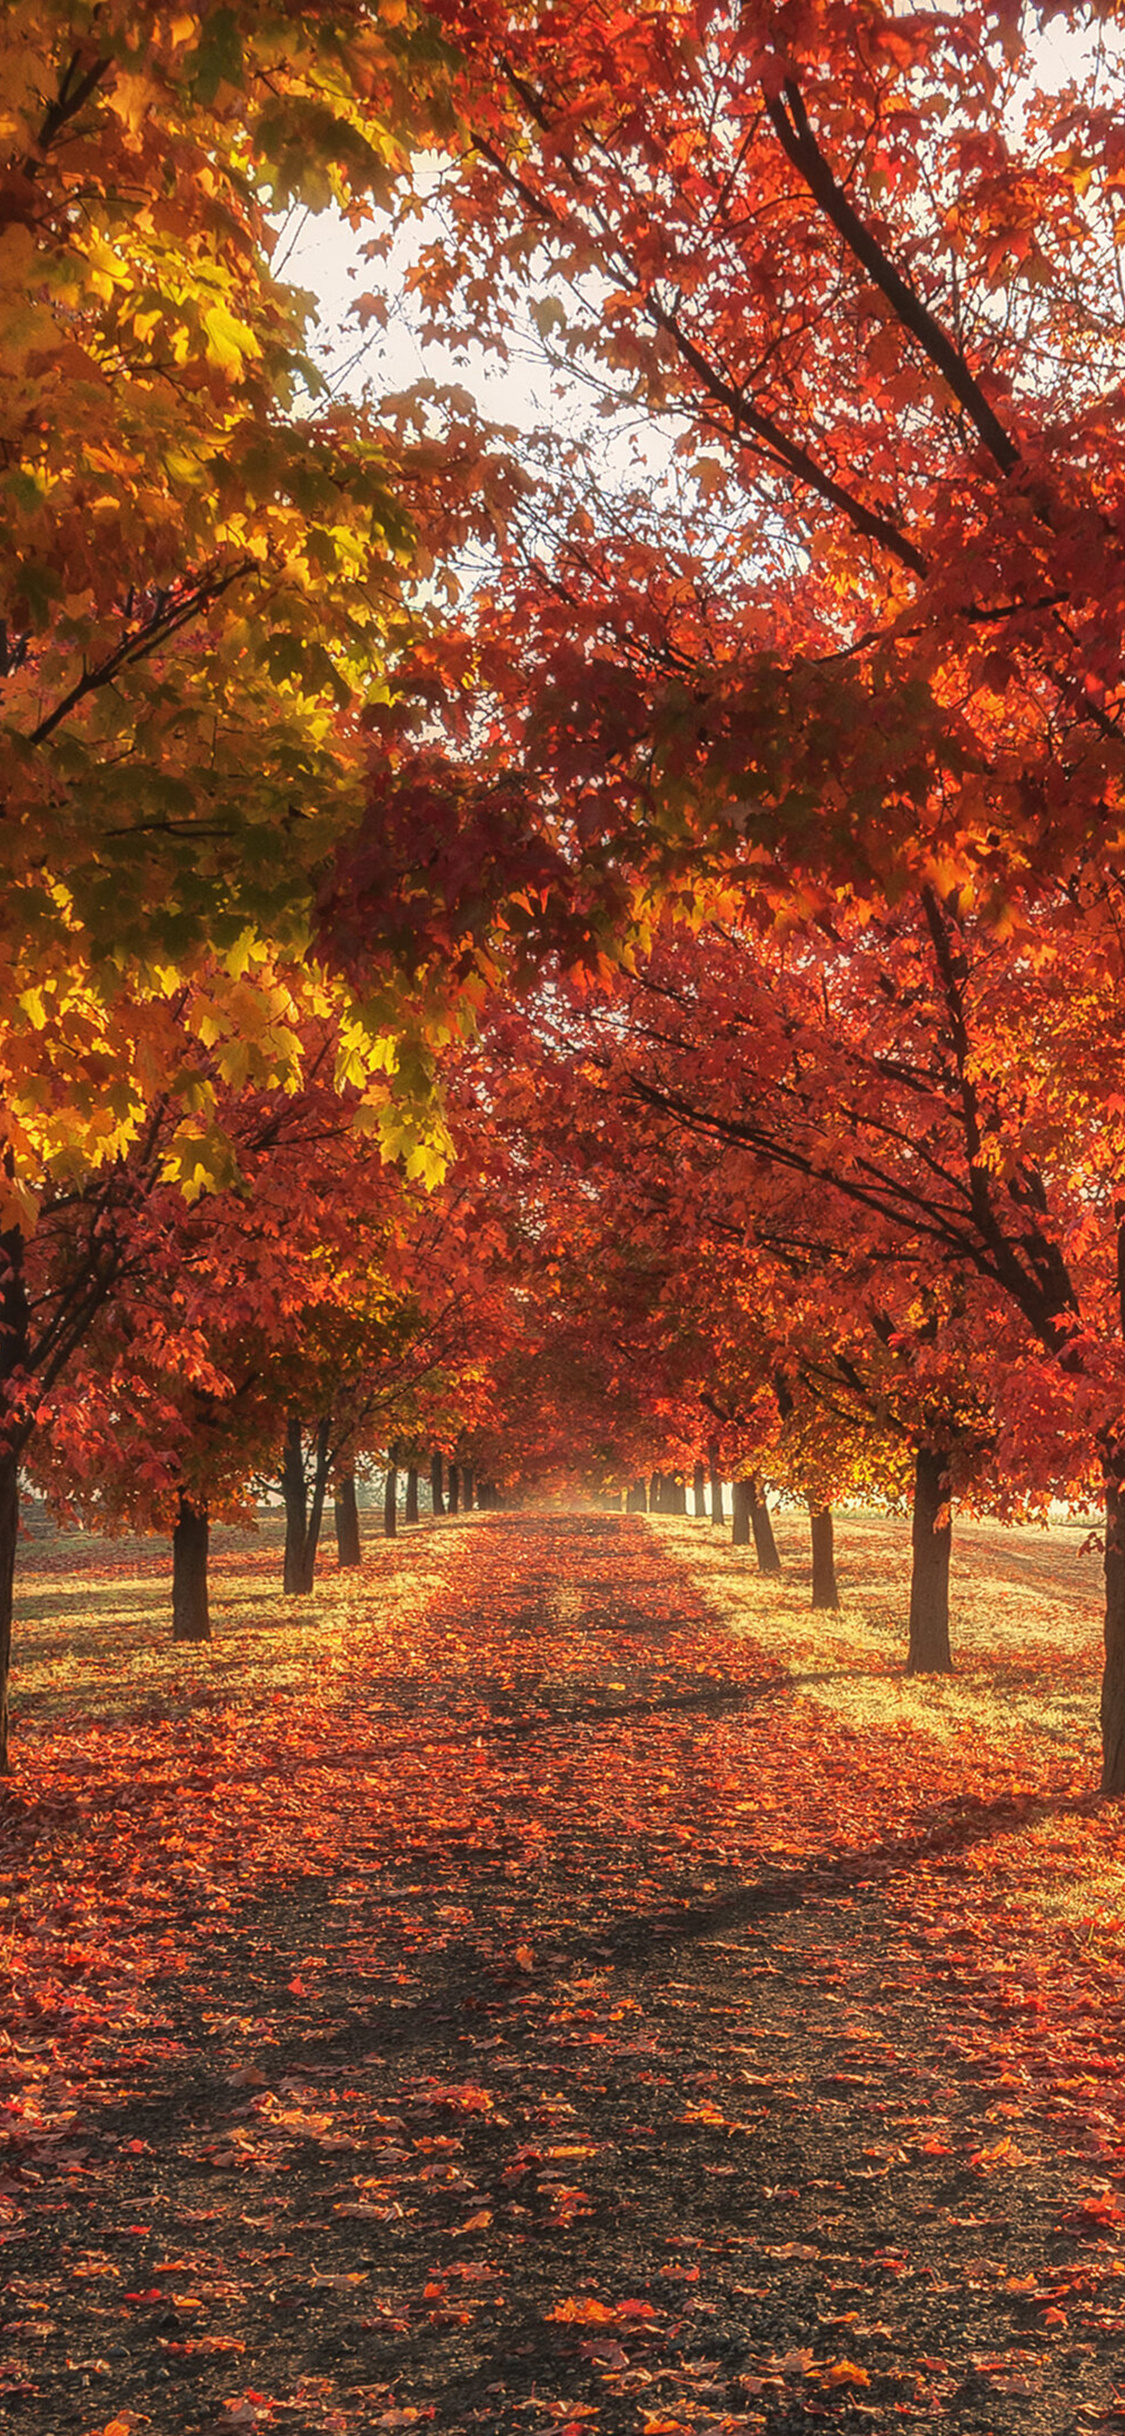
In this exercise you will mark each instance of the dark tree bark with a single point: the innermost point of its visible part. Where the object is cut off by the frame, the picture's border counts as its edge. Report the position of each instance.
(765, 1545)
(716, 1486)
(346, 1513)
(931, 1538)
(1113, 1675)
(467, 1484)
(699, 1492)
(410, 1511)
(636, 1501)
(29, 1365)
(825, 1589)
(453, 1499)
(191, 1539)
(742, 1496)
(390, 1502)
(677, 1499)
(9, 1532)
(316, 1502)
(436, 1493)
(656, 1493)
(303, 1515)
(15, 1320)
(294, 1490)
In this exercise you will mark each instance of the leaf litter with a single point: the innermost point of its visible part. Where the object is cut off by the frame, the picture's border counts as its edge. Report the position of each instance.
(555, 2016)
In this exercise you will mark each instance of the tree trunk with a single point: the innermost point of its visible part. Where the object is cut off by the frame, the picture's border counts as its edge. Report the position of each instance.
(716, 1487)
(467, 1487)
(636, 1501)
(316, 1503)
(14, 1356)
(655, 1493)
(454, 1497)
(436, 1497)
(931, 1537)
(699, 1492)
(302, 1515)
(295, 1492)
(742, 1496)
(825, 1589)
(9, 1530)
(390, 1502)
(191, 1614)
(346, 1512)
(765, 1545)
(411, 1510)
(1113, 1676)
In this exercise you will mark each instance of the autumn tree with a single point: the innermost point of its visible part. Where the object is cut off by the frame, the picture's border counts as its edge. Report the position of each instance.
(859, 273)
(317, 1311)
(919, 1100)
(855, 638)
(202, 586)
(771, 1184)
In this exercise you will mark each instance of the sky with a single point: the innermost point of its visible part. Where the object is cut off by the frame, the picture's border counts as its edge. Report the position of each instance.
(321, 254)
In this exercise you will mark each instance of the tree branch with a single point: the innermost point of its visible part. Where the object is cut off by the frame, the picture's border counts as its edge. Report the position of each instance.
(800, 145)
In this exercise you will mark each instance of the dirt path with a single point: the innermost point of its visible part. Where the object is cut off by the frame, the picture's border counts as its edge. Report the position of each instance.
(656, 2055)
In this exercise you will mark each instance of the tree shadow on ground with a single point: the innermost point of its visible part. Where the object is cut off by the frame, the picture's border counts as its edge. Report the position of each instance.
(549, 1707)
(468, 1978)
(39, 1606)
(947, 1830)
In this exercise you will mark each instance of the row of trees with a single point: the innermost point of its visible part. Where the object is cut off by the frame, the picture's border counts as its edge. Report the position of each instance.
(499, 947)
(825, 1211)
(317, 1310)
(837, 687)
(214, 1143)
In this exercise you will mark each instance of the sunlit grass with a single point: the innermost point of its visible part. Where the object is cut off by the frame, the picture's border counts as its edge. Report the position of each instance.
(94, 1648)
(1026, 1625)
(1026, 1634)
(93, 1625)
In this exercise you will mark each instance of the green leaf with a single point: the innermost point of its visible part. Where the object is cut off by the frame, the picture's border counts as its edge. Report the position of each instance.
(218, 59)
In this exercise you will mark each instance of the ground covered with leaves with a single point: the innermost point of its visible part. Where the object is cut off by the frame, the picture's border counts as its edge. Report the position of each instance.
(554, 1982)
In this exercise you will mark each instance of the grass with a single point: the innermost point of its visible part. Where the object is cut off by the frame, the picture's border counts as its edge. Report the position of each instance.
(1026, 1633)
(543, 1834)
(92, 1642)
(1026, 1624)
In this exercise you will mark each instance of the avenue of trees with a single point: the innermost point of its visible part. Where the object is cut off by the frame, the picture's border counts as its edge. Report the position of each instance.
(596, 954)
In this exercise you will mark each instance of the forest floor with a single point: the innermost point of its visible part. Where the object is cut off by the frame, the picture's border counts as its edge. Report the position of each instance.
(551, 1981)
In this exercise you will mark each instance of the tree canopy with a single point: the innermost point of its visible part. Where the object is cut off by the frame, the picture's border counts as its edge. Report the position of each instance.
(601, 939)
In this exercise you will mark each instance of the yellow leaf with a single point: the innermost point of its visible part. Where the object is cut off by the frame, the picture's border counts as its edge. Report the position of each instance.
(229, 341)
